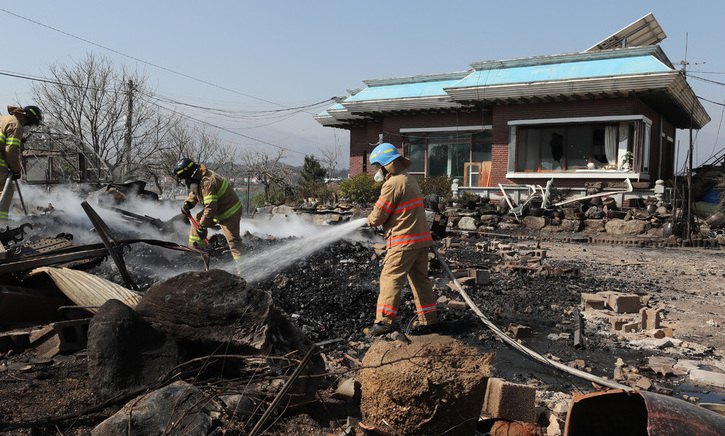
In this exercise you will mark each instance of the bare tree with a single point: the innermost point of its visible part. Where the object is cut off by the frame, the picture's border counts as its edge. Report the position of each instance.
(267, 168)
(331, 158)
(89, 100)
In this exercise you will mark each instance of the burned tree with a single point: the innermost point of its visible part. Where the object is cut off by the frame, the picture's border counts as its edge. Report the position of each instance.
(89, 101)
(268, 169)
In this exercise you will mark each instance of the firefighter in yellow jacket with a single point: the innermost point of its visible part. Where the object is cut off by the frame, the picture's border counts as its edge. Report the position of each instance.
(221, 204)
(400, 212)
(11, 141)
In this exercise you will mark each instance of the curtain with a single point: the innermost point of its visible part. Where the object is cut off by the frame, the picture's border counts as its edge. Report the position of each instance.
(610, 144)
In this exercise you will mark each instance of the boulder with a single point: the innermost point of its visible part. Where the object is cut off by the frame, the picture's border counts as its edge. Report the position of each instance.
(125, 352)
(594, 213)
(534, 222)
(428, 386)
(467, 223)
(509, 226)
(488, 220)
(574, 225)
(626, 228)
(594, 225)
(283, 210)
(214, 310)
(177, 409)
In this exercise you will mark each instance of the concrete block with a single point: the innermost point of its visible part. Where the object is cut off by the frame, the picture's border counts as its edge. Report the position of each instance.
(520, 331)
(592, 301)
(618, 322)
(481, 276)
(622, 303)
(509, 401)
(650, 318)
(709, 378)
(16, 341)
(61, 337)
(631, 327)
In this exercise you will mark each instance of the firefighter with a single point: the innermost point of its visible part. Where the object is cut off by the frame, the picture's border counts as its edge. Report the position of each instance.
(11, 141)
(401, 213)
(221, 205)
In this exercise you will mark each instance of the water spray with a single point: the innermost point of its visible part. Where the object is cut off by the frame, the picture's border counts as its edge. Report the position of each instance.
(266, 264)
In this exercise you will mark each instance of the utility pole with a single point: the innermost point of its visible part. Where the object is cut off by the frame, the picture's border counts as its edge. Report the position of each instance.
(689, 157)
(129, 126)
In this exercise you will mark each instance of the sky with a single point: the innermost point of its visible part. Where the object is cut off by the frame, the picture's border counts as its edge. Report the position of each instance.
(247, 56)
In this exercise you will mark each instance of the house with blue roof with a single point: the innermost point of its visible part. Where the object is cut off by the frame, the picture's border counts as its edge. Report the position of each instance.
(606, 115)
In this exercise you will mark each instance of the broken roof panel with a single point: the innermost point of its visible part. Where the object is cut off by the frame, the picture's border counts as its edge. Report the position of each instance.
(645, 31)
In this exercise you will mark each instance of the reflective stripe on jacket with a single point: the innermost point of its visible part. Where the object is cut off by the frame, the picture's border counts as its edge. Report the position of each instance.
(11, 134)
(217, 195)
(401, 212)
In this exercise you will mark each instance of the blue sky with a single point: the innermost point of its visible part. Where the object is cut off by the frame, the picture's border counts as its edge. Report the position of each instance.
(299, 52)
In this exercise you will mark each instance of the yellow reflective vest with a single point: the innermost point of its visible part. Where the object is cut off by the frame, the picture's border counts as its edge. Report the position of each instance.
(11, 136)
(217, 195)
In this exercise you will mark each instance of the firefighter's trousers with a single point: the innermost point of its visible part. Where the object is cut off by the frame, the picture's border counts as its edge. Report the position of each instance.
(397, 266)
(230, 229)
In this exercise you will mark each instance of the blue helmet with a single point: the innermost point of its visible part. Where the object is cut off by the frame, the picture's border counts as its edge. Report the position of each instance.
(383, 154)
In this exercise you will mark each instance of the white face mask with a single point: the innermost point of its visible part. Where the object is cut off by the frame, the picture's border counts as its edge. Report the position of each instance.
(379, 176)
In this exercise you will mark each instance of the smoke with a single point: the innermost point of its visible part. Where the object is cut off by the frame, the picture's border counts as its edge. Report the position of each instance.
(69, 217)
(271, 261)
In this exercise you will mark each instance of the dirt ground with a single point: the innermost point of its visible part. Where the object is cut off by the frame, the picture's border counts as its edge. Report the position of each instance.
(332, 295)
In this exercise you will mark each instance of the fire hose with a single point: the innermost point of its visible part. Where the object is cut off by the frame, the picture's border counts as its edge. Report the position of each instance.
(517, 346)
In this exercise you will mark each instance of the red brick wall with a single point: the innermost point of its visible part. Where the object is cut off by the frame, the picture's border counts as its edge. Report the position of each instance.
(362, 139)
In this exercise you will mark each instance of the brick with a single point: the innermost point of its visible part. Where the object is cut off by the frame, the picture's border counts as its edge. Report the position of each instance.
(481, 276)
(509, 401)
(520, 331)
(650, 318)
(592, 301)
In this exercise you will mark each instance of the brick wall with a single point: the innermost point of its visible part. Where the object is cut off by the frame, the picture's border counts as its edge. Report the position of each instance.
(362, 139)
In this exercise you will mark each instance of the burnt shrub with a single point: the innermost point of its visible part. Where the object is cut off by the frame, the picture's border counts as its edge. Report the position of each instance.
(439, 185)
(361, 188)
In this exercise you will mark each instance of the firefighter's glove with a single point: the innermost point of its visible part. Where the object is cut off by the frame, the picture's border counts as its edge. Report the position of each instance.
(201, 232)
(16, 175)
(186, 209)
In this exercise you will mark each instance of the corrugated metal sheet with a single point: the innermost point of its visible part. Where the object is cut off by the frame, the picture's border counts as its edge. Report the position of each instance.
(86, 289)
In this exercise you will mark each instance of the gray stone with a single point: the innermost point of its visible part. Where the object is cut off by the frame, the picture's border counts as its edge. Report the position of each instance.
(509, 226)
(488, 220)
(626, 228)
(573, 225)
(709, 378)
(282, 210)
(593, 225)
(594, 213)
(177, 409)
(125, 352)
(534, 222)
(467, 223)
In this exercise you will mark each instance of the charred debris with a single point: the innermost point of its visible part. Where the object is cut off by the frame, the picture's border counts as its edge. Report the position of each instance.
(128, 333)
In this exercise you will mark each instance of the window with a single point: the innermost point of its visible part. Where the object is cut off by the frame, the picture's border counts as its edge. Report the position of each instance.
(574, 147)
(446, 153)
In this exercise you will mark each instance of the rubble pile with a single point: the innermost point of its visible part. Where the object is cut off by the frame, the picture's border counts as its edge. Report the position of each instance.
(591, 220)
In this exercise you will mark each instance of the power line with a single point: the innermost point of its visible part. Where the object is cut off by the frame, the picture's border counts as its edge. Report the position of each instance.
(206, 82)
(710, 101)
(707, 80)
(56, 82)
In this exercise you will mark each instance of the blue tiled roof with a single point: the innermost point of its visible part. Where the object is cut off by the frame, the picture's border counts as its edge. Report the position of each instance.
(404, 90)
(564, 71)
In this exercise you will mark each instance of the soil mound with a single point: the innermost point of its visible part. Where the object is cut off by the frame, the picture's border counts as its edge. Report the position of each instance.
(433, 385)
